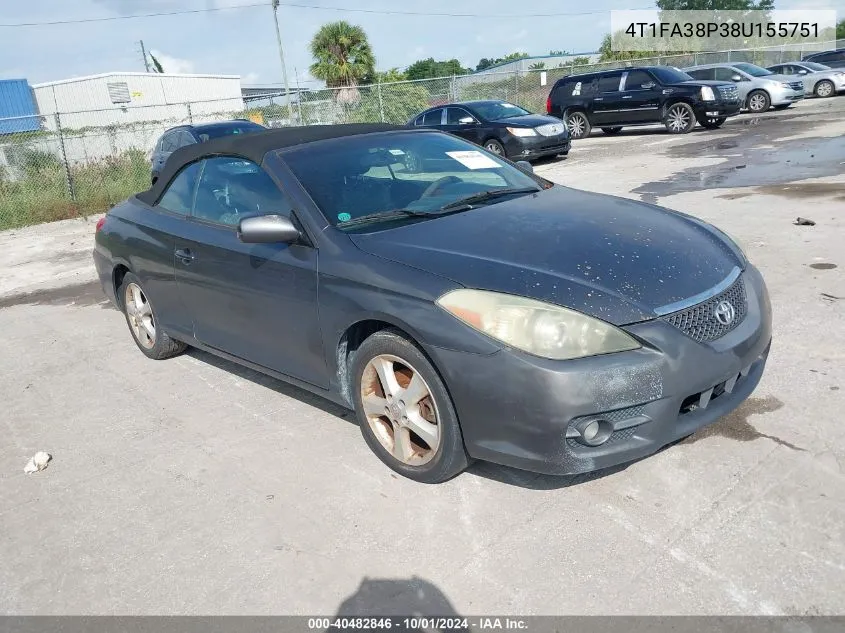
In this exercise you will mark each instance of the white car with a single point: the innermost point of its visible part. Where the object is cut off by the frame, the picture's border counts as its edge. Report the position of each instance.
(820, 80)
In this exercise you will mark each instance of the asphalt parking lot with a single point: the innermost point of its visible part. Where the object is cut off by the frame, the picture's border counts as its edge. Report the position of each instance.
(193, 486)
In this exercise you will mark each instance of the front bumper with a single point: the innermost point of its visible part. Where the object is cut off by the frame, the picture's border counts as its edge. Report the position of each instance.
(531, 147)
(786, 95)
(517, 410)
(716, 109)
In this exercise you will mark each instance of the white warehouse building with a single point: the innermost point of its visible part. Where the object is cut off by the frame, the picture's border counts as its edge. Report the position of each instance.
(120, 98)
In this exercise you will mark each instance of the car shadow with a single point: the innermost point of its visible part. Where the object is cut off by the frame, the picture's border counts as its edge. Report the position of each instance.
(279, 386)
(399, 598)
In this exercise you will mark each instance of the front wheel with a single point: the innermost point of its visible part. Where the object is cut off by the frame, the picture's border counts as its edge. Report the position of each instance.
(579, 125)
(758, 101)
(143, 321)
(404, 410)
(679, 118)
(713, 123)
(495, 147)
(824, 88)
(610, 131)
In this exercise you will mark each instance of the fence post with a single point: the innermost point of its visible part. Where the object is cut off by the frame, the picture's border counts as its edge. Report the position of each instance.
(68, 176)
(453, 89)
(380, 102)
(515, 86)
(191, 114)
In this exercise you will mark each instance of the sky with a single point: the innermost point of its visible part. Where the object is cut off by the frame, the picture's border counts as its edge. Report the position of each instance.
(242, 41)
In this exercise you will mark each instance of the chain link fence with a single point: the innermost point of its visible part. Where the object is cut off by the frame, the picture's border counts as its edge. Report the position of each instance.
(71, 164)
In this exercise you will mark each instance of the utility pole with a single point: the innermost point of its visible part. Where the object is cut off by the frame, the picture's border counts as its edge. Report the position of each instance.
(275, 5)
(144, 53)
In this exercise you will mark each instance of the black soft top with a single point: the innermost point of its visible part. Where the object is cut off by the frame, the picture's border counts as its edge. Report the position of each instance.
(254, 147)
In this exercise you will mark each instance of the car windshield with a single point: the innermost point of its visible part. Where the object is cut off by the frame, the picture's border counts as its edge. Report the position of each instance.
(667, 75)
(219, 131)
(815, 66)
(751, 69)
(496, 110)
(402, 176)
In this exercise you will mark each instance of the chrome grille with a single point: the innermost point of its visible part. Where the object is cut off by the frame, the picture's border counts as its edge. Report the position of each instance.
(729, 93)
(699, 321)
(550, 129)
(796, 85)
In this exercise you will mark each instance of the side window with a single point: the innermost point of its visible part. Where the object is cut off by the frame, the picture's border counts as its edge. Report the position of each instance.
(419, 120)
(179, 195)
(433, 117)
(232, 188)
(609, 83)
(185, 138)
(639, 80)
(169, 142)
(788, 69)
(454, 115)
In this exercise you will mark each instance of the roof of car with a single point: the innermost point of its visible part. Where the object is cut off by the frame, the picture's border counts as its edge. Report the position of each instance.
(255, 146)
(223, 124)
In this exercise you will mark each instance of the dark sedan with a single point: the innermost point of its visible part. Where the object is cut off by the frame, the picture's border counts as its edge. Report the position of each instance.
(500, 127)
(466, 310)
(183, 135)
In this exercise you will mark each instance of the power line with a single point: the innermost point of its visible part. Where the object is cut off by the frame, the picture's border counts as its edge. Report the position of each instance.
(510, 16)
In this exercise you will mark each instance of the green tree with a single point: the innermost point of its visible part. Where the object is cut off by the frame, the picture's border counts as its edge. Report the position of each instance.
(157, 67)
(580, 61)
(391, 75)
(485, 62)
(840, 30)
(343, 55)
(607, 54)
(399, 102)
(537, 66)
(429, 69)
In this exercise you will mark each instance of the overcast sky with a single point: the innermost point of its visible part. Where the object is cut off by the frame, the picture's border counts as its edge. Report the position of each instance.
(242, 41)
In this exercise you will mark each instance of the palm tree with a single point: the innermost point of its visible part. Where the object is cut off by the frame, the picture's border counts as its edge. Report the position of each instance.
(344, 58)
(157, 67)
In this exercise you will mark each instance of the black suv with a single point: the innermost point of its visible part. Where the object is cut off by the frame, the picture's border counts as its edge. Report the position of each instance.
(612, 99)
(834, 59)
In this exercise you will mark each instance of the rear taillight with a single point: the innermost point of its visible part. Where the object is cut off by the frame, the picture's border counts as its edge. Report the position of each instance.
(549, 104)
(100, 224)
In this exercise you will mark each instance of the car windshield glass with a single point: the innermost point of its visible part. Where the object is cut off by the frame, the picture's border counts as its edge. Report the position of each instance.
(668, 75)
(815, 66)
(400, 176)
(495, 110)
(209, 133)
(754, 71)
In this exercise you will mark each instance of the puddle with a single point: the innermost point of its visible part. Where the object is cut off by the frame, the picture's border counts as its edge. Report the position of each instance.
(758, 159)
(736, 426)
(85, 294)
(823, 266)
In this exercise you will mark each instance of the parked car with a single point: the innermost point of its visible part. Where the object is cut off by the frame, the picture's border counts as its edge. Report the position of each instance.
(820, 80)
(834, 59)
(500, 127)
(183, 135)
(613, 99)
(475, 311)
(759, 89)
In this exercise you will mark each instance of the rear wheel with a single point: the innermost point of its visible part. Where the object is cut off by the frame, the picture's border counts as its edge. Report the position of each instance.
(713, 123)
(758, 101)
(679, 118)
(578, 124)
(610, 131)
(404, 410)
(143, 322)
(494, 146)
(824, 88)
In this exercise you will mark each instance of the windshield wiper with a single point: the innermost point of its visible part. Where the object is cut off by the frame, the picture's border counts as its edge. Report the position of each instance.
(384, 215)
(469, 201)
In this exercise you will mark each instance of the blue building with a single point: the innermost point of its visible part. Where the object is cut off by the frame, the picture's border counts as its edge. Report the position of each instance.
(17, 107)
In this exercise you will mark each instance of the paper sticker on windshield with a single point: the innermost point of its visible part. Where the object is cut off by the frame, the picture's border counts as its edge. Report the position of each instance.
(396, 152)
(473, 160)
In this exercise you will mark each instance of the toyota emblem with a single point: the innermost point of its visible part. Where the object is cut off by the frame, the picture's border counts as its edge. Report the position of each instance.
(725, 313)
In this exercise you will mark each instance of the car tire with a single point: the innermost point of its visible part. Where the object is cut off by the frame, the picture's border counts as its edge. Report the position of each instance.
(824, 89)
(782, 106)
(758, 101)
(679, 118)
(143, 322)
(389, 356)
(578, 124)
(495, 147)
(610, 131)
(713, 123)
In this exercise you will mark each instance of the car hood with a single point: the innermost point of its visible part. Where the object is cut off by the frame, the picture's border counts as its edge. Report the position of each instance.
(616, 259)
(528, 120)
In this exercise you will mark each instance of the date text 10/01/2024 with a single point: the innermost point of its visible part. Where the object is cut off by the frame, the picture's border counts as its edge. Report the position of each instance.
(418, 623)
(722, 29)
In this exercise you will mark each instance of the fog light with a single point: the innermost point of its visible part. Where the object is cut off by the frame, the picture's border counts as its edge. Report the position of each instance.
(593, 432)
(590, 431)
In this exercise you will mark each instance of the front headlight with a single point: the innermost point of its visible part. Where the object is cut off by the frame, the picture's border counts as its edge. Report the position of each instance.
(539, 328)
(786, 85)
(522, 131)
(707, 94)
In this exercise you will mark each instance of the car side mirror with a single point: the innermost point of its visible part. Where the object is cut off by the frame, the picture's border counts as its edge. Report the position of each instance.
(267, 229)
(525, 166)
(467, 120)
(736, 78)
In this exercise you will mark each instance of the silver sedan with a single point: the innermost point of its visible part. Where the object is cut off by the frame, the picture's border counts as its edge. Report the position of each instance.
(820, 80)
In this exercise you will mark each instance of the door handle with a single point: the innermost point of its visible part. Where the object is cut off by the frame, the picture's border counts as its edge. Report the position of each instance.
(627, 96)
(185, 256)
(599, 99)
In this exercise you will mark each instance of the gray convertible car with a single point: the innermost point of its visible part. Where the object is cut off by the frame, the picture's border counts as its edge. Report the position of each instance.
(468, 309)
